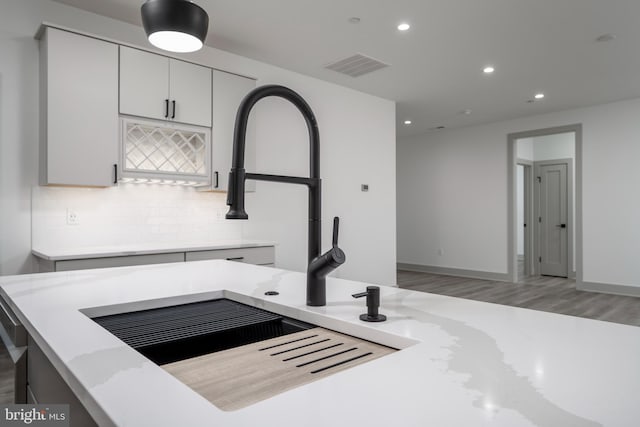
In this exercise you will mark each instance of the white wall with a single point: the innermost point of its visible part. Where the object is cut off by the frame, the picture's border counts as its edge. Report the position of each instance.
(452, 193)
(357, 134)
(524, 149)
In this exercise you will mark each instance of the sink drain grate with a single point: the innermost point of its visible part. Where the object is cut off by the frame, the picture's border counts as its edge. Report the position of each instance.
(174, 333)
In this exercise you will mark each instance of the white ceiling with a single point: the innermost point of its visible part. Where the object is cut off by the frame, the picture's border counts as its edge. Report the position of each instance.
(436, 67)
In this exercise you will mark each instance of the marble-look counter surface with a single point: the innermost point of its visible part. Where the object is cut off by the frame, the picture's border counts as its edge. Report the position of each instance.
(461, 363)
(63, 254)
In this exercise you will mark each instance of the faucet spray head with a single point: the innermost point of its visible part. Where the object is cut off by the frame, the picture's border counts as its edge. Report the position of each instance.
(235, 195)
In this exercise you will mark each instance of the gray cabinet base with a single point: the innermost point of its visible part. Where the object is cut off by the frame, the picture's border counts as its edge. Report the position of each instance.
(46, 386)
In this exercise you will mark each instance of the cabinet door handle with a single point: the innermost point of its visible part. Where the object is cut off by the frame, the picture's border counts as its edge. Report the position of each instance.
(166, 108)
(215, 175)
(173, 114)
(115, 173)
(238, 258)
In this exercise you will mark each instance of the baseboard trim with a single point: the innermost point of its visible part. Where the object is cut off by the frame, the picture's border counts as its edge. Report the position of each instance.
(446, 271)
(608, 288)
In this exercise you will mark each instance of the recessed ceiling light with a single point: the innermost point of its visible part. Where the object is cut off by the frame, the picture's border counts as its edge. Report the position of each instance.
(404, 26)
(539, 95)
(354, 20)
(488, 69)
(407, 122)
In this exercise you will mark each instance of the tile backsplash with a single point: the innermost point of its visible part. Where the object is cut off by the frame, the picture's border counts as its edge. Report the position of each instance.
(129, 214)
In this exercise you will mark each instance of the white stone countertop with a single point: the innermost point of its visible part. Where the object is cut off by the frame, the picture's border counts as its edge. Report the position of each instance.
(461, 363)
(63, 254)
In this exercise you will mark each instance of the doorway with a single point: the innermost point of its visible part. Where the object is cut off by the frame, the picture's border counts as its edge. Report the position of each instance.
(545, 217)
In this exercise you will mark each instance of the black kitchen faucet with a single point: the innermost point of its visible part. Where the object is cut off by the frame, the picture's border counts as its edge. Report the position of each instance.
(319, 265)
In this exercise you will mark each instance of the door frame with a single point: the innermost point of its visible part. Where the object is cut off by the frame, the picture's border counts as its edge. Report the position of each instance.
(529, 249)
(570, 226)
(512, 231)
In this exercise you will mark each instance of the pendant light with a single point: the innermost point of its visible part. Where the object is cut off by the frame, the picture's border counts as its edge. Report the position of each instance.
(175, 25)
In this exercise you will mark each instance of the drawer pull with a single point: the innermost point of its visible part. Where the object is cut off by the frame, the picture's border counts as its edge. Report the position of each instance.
(238, 258)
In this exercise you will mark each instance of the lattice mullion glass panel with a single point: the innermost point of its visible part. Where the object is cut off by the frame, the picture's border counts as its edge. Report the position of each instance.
(153, 148)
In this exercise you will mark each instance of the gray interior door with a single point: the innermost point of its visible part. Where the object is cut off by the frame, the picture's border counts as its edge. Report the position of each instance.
(552, 219)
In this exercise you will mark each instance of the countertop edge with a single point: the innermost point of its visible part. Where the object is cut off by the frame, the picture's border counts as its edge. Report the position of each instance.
(111, 253)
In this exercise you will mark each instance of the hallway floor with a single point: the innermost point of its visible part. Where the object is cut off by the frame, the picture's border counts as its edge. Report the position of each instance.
(552, 294)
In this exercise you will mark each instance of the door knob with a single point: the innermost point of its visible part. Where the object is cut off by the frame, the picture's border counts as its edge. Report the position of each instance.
(562, 225)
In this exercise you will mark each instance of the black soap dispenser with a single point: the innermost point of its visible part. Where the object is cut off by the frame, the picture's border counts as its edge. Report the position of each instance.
(373, 302)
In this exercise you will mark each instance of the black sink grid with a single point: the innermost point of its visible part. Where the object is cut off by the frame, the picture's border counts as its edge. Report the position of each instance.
(168, 334)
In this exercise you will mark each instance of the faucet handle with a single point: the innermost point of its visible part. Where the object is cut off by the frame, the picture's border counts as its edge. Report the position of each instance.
(335, 253)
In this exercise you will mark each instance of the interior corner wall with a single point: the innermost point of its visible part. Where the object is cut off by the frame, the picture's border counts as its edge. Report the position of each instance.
(357, 134)
(452, 193)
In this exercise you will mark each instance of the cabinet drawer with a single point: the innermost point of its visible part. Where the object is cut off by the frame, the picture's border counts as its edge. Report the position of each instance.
(261, 256)
(13, 328)
(119, 261)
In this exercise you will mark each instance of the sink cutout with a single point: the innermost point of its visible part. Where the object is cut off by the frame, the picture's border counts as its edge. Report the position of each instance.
(178, 332)
(234, 354)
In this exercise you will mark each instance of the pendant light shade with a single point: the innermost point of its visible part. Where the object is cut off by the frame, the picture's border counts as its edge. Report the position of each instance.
(175, 25)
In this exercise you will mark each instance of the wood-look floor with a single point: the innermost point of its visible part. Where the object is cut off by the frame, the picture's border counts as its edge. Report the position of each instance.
(552, 294)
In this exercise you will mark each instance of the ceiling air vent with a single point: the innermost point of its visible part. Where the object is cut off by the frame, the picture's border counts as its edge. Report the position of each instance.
(356, 65)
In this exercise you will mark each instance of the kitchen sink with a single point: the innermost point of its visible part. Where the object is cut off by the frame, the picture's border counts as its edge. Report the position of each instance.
(234, 354)
(178, 332)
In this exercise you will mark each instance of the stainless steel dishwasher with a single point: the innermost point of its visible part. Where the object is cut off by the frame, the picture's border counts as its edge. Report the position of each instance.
(13, 381)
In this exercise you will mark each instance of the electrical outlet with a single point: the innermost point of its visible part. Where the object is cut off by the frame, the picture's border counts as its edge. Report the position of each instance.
(72, 217)
(440, 251)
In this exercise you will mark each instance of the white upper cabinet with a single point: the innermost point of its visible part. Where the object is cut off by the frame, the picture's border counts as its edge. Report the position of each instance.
(158, 87)
(228, 92)
(190, 90)
(144, 84)
(79, 109)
